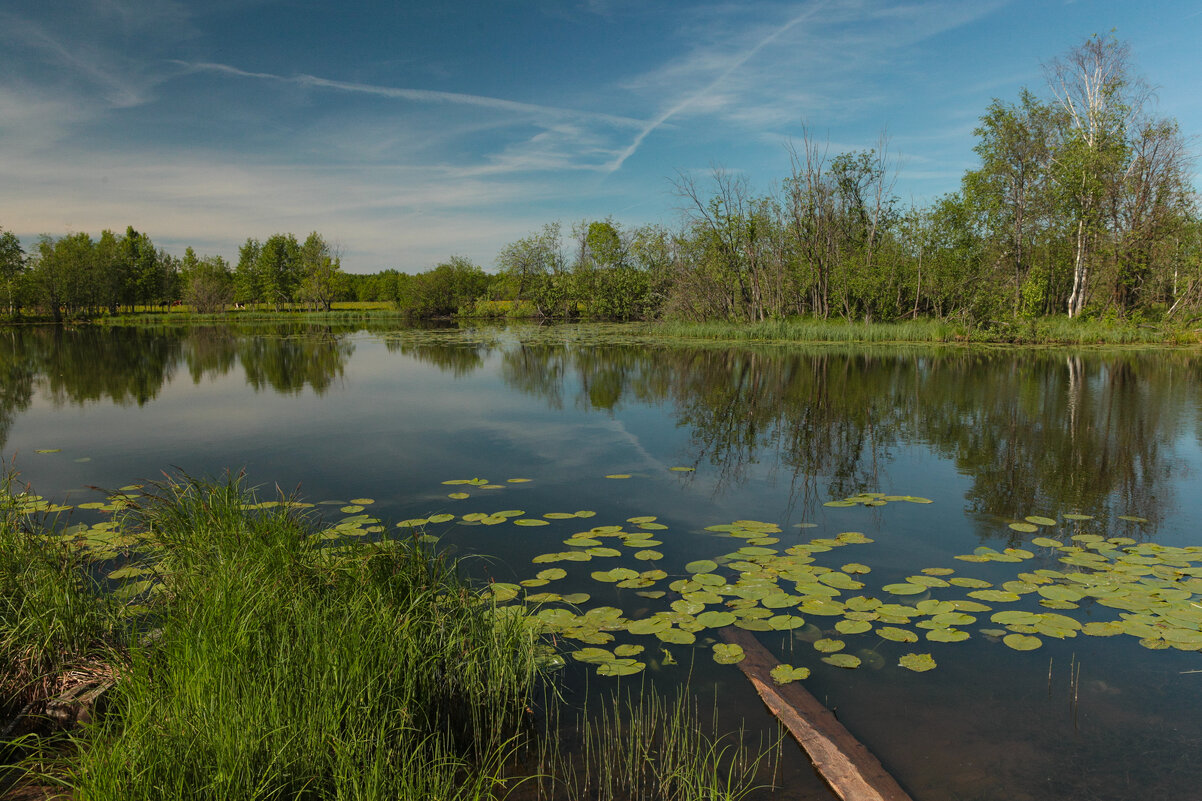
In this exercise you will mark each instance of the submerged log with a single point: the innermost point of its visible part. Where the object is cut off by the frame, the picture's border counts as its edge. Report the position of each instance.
(843, 761)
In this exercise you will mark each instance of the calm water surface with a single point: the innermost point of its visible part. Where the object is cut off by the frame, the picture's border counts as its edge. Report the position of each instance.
(771, 432)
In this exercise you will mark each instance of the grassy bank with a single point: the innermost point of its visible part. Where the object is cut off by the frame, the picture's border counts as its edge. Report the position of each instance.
(1041, 331)
(246, 653)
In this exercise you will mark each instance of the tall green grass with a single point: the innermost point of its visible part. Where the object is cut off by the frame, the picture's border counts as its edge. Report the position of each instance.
(54, 620)
(1039, 331)
(649, 747)
(281, 667)
(257, 659)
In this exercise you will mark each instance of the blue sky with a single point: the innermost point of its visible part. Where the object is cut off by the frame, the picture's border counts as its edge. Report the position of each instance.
(408, 132)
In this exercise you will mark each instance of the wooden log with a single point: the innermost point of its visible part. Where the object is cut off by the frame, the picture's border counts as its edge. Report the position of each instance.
(843, 761)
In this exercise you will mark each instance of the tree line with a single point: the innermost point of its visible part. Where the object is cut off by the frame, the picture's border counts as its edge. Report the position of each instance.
(1081, 204)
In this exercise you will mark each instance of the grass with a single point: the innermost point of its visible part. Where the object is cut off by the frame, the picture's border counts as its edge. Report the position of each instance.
(54, 623)
(255, 658)
(1040, 331)
(651, 748)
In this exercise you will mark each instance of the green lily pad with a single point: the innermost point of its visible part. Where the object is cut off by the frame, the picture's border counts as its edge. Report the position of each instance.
(996, 596)
(701, 566)
(947, 635)
(1022, 642)
(784, 674)
(853, 626)
(919, 663)
(727, 653)
(848, 661)
(715, 619)
(1039, 520)
(648, 556)
(904, 588)
(618, 475)
(676, 636)
(1025, 528)
(896, 634)
(620, 667)
(828, 646)
(530, 521)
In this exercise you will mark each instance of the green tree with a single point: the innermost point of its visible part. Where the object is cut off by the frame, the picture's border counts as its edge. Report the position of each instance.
(246, 278)
(321, 273)
(529, 263)
(208, 283)
(12, 267)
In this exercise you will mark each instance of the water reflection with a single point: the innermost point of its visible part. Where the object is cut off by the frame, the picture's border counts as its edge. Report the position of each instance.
(1033, 431)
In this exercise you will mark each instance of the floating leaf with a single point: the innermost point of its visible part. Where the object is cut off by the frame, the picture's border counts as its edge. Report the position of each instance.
(701, 566)
(827, 645)
(784, 674)
(1022, 642)
(48, 450)
(1040, 520)
(441, 518)
(459, 496)
(904, 588)
(919, 663)
(947, 635)
(618, 475)
(965, 581)
(715, 619)
(1025, 528)
(853, 626)
(727, 653)
(551, 573)
(848, 661)
(647, 556)
(682, 469)
(1133, 519)
(1075, 516)
(896, 634)
(620, 667)
(517, 480)
(997, 596)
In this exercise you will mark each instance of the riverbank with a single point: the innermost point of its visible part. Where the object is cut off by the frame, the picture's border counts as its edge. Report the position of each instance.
(1037, 331)
(203, 643)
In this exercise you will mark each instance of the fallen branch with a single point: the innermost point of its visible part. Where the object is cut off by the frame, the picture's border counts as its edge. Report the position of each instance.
(843, 761)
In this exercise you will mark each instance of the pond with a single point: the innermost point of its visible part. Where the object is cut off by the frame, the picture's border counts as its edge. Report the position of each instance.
(1058, 489)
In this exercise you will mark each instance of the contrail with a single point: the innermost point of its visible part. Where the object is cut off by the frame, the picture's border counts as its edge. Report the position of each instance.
(418, 95)
(616, 164)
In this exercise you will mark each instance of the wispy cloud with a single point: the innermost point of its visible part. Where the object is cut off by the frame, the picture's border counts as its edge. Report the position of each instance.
(423, 95)
(820, 63)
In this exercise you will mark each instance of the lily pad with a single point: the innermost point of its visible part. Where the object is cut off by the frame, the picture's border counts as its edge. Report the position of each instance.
(896, 634)
(701, 566)
(1022, 642)
(784, 674)
(848, 661)
(919, 663)
(829, 646)
(620, 667)
(904, 588)
(728, 653)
